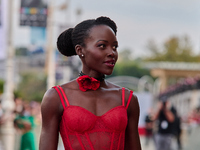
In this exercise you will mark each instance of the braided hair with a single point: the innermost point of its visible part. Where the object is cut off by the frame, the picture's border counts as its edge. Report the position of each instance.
(68, 39)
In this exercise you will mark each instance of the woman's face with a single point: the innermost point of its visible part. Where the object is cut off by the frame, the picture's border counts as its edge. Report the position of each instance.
(100, 52)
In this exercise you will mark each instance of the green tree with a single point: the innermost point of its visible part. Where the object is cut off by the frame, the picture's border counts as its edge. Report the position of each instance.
(127, 66)
(32, 86)
(175, 49)
(1, 86)
(125, 55)
(130, 68)
(21, 51)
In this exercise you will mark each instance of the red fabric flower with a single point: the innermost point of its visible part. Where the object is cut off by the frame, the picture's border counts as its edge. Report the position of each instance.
(87, 83)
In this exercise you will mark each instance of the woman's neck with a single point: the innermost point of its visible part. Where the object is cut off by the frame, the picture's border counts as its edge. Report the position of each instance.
(100, 78)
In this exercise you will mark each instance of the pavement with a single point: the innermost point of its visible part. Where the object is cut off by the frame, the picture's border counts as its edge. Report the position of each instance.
(192, 141)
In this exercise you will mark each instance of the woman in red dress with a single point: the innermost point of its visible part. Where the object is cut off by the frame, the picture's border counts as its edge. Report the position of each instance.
(89, 112)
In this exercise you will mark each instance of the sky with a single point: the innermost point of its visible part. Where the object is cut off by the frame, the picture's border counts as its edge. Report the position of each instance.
(138, 21)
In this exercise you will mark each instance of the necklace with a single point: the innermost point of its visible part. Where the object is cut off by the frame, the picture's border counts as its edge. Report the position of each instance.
(99, 79)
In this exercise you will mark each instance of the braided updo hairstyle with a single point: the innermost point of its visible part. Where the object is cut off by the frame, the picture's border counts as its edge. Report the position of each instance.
(68, 39)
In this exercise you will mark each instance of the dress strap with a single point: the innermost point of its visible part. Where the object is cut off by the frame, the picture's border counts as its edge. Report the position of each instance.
(123, 96)
(129, 99)
(61, 95)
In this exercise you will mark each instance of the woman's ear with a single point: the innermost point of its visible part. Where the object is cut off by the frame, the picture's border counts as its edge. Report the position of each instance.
(79, 50)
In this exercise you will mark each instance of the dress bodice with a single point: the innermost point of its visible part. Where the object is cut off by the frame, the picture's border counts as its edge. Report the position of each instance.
(82, 130)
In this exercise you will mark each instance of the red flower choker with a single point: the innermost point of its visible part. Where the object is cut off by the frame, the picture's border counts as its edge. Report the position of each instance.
(88, 83)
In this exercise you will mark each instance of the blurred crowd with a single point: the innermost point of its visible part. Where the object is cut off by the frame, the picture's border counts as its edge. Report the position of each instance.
(193, 119)
(26, 116)
(165, 127)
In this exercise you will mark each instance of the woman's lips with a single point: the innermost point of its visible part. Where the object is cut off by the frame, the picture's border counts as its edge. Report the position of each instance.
(110, 63)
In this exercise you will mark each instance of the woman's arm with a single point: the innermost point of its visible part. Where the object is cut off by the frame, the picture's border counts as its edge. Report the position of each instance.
(51, 110)
(132, 139)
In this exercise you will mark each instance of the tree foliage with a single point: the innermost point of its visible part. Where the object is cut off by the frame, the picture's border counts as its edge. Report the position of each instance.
(126, 66)
(21, 51)
(125, 55)
(32, 87)
(130, 68)
(1, 86)
(175, 49)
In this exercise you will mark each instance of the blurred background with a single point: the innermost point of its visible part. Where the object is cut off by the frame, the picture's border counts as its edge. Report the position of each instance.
(159, 58)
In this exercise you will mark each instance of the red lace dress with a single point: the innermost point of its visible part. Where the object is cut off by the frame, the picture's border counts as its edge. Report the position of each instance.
(82, 130)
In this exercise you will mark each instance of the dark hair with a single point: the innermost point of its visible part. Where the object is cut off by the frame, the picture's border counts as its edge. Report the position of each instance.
(68, 39)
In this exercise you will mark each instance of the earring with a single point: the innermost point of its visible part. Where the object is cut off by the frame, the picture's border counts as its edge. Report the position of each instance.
(82, 55)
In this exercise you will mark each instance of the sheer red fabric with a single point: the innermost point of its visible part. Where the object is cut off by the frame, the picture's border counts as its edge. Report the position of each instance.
(82, 130)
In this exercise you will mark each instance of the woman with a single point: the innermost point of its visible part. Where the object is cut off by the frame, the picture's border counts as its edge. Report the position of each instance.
(90, 112)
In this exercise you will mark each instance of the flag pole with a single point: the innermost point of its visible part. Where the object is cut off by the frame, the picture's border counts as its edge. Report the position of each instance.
(7, 128)
(50, 51)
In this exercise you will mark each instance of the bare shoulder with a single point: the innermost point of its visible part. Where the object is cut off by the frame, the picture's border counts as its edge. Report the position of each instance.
(51, 102)
(110, 84)
(71, 85)
(49, 97)
(129, 93)
(113, 86)
(134, 104)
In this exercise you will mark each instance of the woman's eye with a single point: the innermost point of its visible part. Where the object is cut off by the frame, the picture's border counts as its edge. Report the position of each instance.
(102, 46)
(115, 47)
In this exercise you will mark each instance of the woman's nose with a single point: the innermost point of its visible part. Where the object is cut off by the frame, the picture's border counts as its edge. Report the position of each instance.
(112, 52)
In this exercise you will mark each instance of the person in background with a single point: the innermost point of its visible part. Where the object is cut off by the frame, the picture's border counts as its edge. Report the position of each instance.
(176, 127)
(164, 118)
(25, 123)
(148, 128)
(90, 112)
